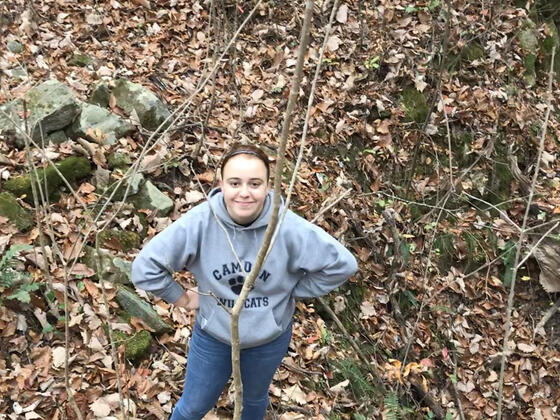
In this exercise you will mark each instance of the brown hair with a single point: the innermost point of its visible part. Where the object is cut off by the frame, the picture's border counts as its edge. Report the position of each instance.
(245, 149)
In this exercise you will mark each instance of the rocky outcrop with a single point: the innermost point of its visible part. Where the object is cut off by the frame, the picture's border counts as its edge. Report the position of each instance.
(10, 208)
(72, 169)
(99, 125)
(137, 307)
(132, 97)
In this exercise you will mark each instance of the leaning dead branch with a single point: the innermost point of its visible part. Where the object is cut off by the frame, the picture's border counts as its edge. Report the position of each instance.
(519, 244)
(249, 282)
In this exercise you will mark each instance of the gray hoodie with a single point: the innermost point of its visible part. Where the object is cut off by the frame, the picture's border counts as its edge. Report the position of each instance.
(305, 262)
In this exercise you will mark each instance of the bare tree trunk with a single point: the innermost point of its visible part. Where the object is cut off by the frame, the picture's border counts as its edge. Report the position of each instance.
(249, 282)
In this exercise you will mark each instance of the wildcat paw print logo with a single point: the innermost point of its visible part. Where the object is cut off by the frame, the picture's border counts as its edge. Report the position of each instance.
(236, 284)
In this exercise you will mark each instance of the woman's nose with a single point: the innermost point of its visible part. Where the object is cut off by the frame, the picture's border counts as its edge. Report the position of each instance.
(244, 190)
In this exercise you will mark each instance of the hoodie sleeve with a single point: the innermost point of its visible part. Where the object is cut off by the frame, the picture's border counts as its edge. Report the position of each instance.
(323, 262)
(169, 251)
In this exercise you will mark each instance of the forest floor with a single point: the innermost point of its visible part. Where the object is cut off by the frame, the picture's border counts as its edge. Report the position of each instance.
(431, 332)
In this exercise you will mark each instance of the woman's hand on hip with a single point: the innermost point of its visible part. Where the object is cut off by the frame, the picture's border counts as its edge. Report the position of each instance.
(189, 299)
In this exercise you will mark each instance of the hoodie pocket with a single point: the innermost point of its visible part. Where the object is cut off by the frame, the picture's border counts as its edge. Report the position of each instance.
(257, 327)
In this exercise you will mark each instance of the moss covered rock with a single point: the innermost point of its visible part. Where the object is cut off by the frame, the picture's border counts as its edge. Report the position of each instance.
(136, 346)
(415, 105)
(80, 60)
(119, 240)
(472, 52)
(118, 160)
(100, 95)
(111, 268)
(137, 307)
(72, 168)
(10, 208)
(133, 97)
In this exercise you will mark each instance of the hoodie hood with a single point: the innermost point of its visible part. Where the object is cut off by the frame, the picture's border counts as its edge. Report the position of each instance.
(217, 204)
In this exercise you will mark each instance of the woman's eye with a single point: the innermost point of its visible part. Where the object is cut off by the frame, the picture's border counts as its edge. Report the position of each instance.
(234, 184)
(255, 184)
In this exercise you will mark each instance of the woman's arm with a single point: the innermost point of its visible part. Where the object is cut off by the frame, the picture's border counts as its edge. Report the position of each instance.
(170, 251)
(325, 264)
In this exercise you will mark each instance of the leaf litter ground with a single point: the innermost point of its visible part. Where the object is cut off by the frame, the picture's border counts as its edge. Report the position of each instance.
(360, 137)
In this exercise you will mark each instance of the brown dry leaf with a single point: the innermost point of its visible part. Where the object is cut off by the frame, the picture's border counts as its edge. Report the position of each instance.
(526, 348)
(342, 13)
(295, 394)
(100, 408)
(139, 324)
(367, 310)
(82, 270)
(207, 177)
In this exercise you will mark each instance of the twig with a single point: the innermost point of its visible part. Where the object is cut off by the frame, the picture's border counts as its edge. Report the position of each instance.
(448, 140)
(371, 366)
(331, 205)
(306, 125)
(455, 391)
(521, 238)
(249, 282)
(109, 326)
(535, 246)
(546, 317)
(502, 213)
(36, 185)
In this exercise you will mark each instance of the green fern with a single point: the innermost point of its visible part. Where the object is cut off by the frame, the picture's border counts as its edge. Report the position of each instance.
(359, 384)
(9, 276)
(392, 407)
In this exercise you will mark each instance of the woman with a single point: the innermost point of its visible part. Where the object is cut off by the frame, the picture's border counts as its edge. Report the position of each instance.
(304, 262)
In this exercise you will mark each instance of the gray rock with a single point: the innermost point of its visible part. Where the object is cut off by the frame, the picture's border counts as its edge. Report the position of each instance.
(15, 46)
(96, 123)
(10, 208)
(131, 97)
(149, 197)
(137, 307)
(57, 137)
(113, 268)
(11, 125)
(18, 73)
(528, 39)
(51, 106)
(80, 60)
(100, 95)
(134, 185)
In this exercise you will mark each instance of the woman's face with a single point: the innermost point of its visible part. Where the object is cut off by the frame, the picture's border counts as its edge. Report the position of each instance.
(245, 186)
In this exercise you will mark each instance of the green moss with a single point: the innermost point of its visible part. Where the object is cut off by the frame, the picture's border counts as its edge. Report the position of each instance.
(476, 255)
(118, 160)
(10, 208)
(137, 346)
(415, 105)
(72, 168)
(530, 73)
(80, 60)
(445, 249)
(100, 95)
(120, 240)
(472, 52)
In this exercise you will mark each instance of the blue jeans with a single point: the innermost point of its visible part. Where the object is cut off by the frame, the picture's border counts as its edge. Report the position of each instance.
(209, 368)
